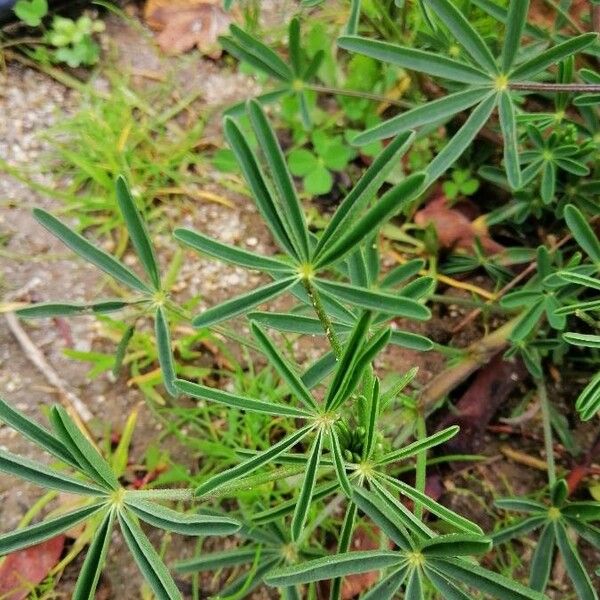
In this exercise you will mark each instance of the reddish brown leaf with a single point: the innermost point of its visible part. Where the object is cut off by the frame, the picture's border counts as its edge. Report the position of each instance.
(26, 568)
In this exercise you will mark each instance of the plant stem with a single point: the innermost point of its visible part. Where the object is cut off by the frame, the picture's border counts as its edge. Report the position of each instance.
(532, 86)
(547, 424)
(421, 466)
(323, 317)
(323, 89)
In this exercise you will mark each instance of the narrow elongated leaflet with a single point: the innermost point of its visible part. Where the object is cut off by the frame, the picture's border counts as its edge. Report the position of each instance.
(436, 110)
(389, 205)
(456, 544)
(375, 300)
(35, 433)
(241, 304)
(45, 476)
(521, 505)
(239, 109)
(247, 582)
(313, 66)
(87, 581)
(252, 464)
(388, 587)
(552, 56)
(93, 464)
(406, 339)
(284, 369)
(419, 446)
(542, 560)
(185, 524)
(414, 59)
(528, 321)
(64, 309)
(256, 180)
(148, 561)
(372, 422)
(517, 18)
(262, 52)
(228, 399)
(319, 370)
(575, 568)
(447, 589)
(165, 353)
(294, 46)
(339, 462)
(290, 322)
(418, 288)
(308, 487)
(229, 254)
(338, 565)
(453, 150)
(122, 349)
(365, 189)
(353, 18)
(217, 560)
(137, 231)
(34, 534)
(465, 34)
(343, 546)
(582, 232)
(383, 517)
(501, 14)
(291, 208)
(508, 124)
(486, 581)
(414, 586)
(582, 339)
(86, 250)
(402, 272)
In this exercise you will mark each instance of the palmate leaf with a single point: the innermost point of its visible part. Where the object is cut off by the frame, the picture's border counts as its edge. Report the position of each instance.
(230, 254)
(89, 252)
(34, 534)
(241, 304)
(137, 231)
(149, 562)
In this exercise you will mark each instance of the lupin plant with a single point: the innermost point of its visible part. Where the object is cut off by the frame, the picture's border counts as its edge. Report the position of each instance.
(335, 442)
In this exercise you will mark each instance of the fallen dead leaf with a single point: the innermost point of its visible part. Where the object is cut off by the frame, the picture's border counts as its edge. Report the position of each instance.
(454, 227)
(183, 24)
(26, 568)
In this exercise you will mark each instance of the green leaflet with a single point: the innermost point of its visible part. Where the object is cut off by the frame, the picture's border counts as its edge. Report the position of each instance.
(339, 462)
(137, 231)
(185, 524)
(517, 18)
(456, 544)
(91, 253)
(582, 339)
(518, 529)
(34, 534)
(387, 588)
(465, 34)
(377, 301)
(420, 445)
(582, 232)
(308, 486)
(552, 56)
(542, 560)
(217, 560)
(436, 110)
(414, 587)
(63, 309)
(122, 349)
(413, 59)
(284, 369)
(252, 464)
(45, 476)
(228, 399)
(87, 581)
(506, 111)
(149, 562)
(241, 304)
(329, 567)
(291, 208)
(230, 254)
(165, 355)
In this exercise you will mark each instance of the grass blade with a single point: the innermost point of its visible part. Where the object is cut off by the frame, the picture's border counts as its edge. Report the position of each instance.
(283, 367)
(137, 231)
(292, 210)
(241, 304)
(252, 464)
(228, 399)
(229, 254)
(149, 562)
(87, 581)
(413, 59)
(465, 34)
(308, 486)
(437, 110)
(89, 252)
(390, 204)
(34, 534)
(165, 353)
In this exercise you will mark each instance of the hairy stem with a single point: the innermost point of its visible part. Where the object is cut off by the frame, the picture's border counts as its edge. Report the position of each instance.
(546, 422)
(323, 317)
(532, 86)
